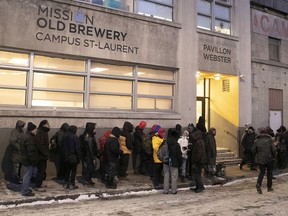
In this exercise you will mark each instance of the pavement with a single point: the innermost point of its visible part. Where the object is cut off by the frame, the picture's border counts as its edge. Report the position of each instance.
(55, 193)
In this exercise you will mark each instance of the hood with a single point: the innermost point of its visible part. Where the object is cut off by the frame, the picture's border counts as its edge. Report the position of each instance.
(172, 132)
(19, 125)
(90, 126)
(116, 132)
(72, 129)
(44, 124)
(128, 126)
(64, 127)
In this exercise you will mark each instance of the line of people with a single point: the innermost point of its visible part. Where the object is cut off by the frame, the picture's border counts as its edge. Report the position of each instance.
(190, 151)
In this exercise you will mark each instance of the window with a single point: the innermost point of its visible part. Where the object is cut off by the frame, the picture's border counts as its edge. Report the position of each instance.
(274, 49)
(13, 78)
(161, 9)
(214, 15)
(53, 86)
(126, 5)
(155, 89)
(83, 84)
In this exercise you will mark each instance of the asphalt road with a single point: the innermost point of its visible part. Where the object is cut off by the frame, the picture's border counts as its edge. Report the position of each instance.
(237, 198)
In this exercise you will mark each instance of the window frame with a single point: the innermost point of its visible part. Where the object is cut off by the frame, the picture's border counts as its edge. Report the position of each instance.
(274, 46)
(213, 18)
(135, 8)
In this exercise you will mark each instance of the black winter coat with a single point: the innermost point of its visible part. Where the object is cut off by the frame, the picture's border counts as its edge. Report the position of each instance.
(29, 151)
(138, 135)
(126, 132)
(71, 146)
(264, 149)
(211, 149)
(42, 143)
(198, 151)
(89, 147)
(248, 141)
(175, 153)
(112, 149)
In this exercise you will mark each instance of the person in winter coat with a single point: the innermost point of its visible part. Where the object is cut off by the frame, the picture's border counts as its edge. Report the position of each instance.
(137, 152)
(11, 162)
(184, 142)
(102, 142)
(157, 140)
(282, 141)
(178, 128)
(29, 158)
(211, 152)
(198, 159)
(201, 125)
(126, 145)
(42, 140)
(175, 159)
(112, 153)
(72, 155)
(56, 151)
(265, 153)
(190, 128)
(247, 142)
(89, 153)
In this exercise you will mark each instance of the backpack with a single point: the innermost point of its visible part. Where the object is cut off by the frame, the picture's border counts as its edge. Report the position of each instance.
(163, 153)
(147, 144)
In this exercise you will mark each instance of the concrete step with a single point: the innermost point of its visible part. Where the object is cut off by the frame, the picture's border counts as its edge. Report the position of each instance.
(224, 155)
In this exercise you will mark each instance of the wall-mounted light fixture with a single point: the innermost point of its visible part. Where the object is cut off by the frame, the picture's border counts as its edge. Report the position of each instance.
(217, 76)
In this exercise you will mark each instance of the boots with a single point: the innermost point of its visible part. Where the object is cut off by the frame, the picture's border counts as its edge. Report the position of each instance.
(66, 185)
(110, 183)
(258, 187)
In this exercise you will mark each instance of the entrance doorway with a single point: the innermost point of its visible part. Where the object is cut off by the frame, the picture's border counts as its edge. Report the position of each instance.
(218, 103)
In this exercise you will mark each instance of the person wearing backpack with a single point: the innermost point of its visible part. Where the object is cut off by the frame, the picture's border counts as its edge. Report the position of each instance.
(126, 145)
(102, 142)
(175, 159)
(157, 140)
(72, 154)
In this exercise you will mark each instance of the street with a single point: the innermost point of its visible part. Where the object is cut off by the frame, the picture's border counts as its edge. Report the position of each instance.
(235, 198)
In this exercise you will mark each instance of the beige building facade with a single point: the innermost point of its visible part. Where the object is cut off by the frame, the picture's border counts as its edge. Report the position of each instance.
(78, 62)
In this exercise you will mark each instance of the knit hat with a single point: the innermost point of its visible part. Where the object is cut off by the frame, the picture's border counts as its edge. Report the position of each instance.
(251, 128)
(31, 126)
(142, 124)
(156, 128)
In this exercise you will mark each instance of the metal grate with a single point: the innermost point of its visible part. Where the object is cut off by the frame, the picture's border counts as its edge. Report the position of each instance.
(225, 85)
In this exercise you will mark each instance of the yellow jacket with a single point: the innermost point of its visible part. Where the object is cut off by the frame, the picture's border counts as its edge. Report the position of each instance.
(156, 142)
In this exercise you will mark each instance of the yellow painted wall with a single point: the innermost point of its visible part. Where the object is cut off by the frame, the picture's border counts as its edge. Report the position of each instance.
(225, 104)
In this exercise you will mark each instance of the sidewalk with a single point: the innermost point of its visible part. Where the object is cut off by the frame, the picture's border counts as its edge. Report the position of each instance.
(136, 183)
